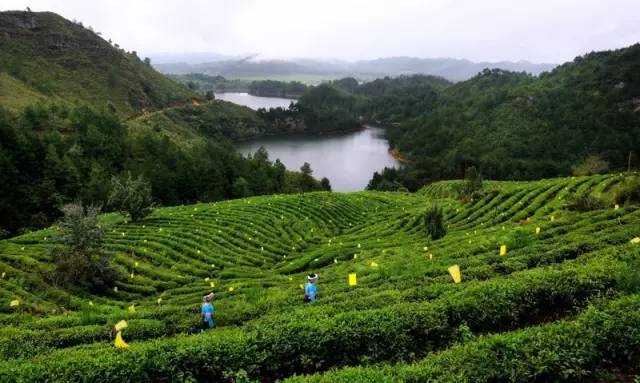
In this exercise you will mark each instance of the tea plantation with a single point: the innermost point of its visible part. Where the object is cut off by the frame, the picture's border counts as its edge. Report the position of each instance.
(563, 303)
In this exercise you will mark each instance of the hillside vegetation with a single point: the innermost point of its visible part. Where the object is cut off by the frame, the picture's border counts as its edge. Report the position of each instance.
(561, 305)
(49, 56)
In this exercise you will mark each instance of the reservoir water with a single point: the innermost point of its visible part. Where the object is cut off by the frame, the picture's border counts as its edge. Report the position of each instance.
(255, 102)
(347, 160)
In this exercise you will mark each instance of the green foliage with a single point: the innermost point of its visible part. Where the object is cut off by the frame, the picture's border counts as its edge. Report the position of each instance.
(591, 165)
(80, 260)
(629, 191)
(131, 196)
(471, 187)
(65, 61)
(584, 202)
(434, 223)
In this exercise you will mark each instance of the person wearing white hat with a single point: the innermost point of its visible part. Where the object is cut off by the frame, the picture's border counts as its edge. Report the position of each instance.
(311, 290)
(207, 312)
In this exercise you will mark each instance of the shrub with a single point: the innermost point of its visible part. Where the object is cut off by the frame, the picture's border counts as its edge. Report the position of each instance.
(472, 185)
(434, 223)
(593, 164)
(79, 259)
(629, 192)
(584, 202)
(131, 196)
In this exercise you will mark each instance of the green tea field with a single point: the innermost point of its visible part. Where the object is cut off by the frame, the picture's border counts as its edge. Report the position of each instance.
(561, 304)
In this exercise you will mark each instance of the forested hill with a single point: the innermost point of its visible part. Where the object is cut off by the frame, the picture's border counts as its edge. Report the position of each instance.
(43, 55)
(516, 126)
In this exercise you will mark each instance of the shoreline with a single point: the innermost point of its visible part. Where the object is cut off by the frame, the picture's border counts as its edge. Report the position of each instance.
(395, 153)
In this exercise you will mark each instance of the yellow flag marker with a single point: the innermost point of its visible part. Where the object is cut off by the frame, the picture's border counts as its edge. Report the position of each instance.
(121, 325)
(159, 300)
(14, 303)
(120, 343)
(132, 309)
(230, 289)
(537, 230)
(455, 273)
(616, 207)
(635, 241)
(353, 279)
(503, 249)
(373, 264)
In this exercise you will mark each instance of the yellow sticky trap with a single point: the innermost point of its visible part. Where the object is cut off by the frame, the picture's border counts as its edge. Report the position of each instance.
(14, 303)
(373, 264)
(261, 248)
(290, 279)
(136, 264)
(358, 246)
(455, 273)
(503, 249)
(301, 286)
(616, 207)
(121, 325)
(4, 274)
(120, 343)
(132, 309)
(425, 248)
(553, 218)
(430, 257)
(353, 279)
(335, 260)
(211, 284)
(635, 240)
(230, 289)
(132, 275)
(355, 256)
(115, 289)
(91, 303)
(159, 300)
(537, 230)
(206, 279)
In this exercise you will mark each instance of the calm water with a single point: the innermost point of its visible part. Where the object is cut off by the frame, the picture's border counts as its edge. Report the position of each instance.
(347, 160)
(254, 102)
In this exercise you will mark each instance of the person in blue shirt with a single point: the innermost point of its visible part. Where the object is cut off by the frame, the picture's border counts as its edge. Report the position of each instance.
(207, 312)
(311, 290)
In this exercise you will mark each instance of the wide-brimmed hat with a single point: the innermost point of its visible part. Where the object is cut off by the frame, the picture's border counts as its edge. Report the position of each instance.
(209, 297)
(312, 277)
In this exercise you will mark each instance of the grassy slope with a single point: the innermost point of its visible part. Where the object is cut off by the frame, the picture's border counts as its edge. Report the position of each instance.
(59, 58)
(256, 252)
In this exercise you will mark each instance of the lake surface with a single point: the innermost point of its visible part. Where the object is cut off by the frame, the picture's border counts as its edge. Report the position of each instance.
(347, 160)
(255, 102)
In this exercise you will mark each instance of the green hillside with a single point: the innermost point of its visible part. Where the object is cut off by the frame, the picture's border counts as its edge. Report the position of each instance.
(55, 57)
(562, 305)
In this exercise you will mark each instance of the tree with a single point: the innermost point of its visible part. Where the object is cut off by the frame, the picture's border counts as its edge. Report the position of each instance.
(593, 164)
(209, 95)
(147, 61)
(307, 182)
(471, 186)
(325, 184)
(240, 188)
(131, 196)
(434, 223)
(79, 259)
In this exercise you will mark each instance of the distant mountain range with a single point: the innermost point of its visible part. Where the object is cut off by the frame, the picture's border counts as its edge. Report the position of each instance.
(449, 68)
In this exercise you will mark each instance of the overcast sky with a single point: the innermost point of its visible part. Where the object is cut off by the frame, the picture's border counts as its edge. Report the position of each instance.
(481, 30)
